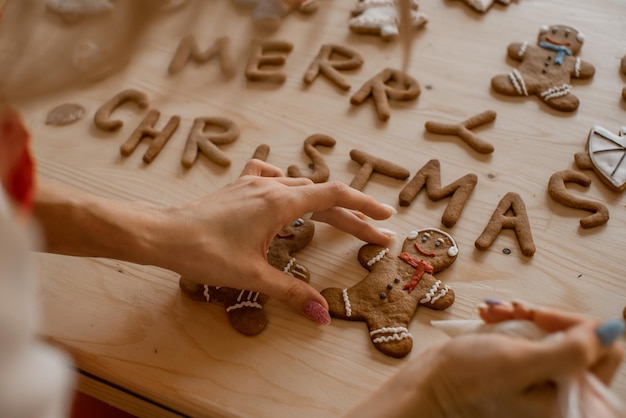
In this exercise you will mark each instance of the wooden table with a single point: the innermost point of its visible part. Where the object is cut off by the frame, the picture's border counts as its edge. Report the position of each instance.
(140, 344)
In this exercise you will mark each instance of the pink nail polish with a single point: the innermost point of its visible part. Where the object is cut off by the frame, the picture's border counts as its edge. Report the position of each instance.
(317, 313)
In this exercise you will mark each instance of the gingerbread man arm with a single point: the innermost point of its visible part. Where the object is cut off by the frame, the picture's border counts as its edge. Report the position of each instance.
(439, 296)
(583, 69)
(517, 50)
(370, 254)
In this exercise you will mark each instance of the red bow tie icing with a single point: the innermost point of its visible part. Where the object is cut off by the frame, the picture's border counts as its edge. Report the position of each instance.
(421, 267)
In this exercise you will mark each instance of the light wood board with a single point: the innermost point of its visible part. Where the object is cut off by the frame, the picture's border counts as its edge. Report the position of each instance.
(130, 326)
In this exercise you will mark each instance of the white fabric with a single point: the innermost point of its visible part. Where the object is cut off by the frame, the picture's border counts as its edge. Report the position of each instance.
(581, 397)
(35, 379)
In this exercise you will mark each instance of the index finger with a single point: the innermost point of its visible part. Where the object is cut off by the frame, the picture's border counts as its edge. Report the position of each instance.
(322, 196)
(255, 167)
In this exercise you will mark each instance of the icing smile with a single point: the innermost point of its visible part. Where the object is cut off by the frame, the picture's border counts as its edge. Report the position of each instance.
(427, 254)
(285, 236)
(552, 41)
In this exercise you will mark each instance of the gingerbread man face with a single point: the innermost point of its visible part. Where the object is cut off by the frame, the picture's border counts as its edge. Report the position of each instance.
(244, 308)
(547, 68)
(561, 36)
(388, 297)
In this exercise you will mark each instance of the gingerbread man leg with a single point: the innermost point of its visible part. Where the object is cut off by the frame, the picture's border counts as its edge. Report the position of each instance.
(244, 308)
(559, 97)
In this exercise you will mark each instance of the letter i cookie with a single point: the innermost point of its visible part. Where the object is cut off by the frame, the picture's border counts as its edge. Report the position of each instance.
(244, 308)
(388, 297)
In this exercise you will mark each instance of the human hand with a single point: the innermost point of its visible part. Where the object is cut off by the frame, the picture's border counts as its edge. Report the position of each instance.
(494, 375)
(223, 238)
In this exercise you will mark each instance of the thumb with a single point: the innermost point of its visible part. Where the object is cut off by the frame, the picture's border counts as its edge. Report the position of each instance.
(301, 296)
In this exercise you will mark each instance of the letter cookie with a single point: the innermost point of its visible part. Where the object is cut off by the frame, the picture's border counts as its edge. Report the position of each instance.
(430, 176)
(388, 297)
(146, 129)
(462, 130)
(325, 64)
(371, 164)
(244, 308)
(188, 50)
(268, 14)
(321, 172)
(102, 118)
(547, 68)
(558, 192)
(484, 5)
(378, 87)
(260, 56)
(380, 17)
(605, 154)
(207, 142)
(517, 221)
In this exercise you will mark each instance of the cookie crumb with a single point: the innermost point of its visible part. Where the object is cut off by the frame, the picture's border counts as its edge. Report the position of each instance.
(65, 114)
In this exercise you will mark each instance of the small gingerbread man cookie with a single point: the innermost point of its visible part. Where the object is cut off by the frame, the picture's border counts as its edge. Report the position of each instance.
(244, 308)
(388, 297)
(546, 68)
(268, 14)
(380, 17)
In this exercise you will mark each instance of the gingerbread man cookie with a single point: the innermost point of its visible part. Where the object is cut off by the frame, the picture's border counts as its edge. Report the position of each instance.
(380, 17)
(269, 13)
(388, 297)
(244, 308)
(547, 68)
(605, 154)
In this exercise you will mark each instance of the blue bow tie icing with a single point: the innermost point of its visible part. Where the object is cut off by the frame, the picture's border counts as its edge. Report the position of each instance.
(561, 51)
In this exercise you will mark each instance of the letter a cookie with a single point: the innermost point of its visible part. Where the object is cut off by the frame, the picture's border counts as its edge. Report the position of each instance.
(244, 308)
(388, 297)
(546, 68)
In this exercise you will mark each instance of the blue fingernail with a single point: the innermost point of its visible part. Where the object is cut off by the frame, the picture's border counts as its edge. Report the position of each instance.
(610, 331)
(494, 302)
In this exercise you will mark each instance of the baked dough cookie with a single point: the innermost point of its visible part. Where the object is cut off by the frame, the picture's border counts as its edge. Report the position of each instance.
(484, 5)
(380, 17)
(244, 308)
(547, 68)
(605, 154)
(388, 297)
(268, 14)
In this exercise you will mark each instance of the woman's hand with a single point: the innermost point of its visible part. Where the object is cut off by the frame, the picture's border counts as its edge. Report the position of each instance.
(222, 239)
(493, 375)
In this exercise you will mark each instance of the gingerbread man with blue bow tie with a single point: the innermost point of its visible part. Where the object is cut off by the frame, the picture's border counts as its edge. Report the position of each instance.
(547, 68)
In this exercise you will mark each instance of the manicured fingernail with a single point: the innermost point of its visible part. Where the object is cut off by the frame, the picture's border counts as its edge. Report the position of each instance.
(493, 302)
(317, 313)
(388, 232)
(610, 331)
(391, 208)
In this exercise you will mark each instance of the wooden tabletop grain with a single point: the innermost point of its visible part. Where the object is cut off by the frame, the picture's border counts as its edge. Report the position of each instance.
(139, 343)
